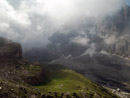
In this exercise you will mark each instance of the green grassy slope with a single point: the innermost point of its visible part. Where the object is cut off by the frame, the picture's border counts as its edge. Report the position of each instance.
(51, 81)
(65, 80)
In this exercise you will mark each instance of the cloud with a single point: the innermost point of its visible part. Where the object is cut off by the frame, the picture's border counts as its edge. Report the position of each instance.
(82, 39)
(31, 22)
(110, 40)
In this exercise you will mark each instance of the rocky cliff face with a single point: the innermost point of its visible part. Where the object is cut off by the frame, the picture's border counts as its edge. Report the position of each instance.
(116, 32)
(9, 51)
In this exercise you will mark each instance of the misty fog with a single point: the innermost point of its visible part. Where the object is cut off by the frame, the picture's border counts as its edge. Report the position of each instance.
(32, 22)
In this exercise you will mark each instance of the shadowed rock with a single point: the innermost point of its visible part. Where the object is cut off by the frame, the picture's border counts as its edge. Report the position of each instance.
(9, 51)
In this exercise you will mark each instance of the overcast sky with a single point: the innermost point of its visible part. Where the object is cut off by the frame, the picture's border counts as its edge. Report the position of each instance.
(31, 22)
(128, 2)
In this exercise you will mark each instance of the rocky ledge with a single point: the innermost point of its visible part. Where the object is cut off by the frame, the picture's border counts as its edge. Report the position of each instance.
(9, 50)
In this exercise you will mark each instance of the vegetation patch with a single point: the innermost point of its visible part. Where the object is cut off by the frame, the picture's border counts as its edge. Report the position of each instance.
(47, 81)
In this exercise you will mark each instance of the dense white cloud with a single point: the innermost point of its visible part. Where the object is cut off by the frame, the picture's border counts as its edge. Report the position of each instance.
(82, 39)
(32, 21)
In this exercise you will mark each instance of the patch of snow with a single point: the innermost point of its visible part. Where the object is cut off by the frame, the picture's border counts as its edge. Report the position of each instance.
(60, 59)
(53, 61)
(69, 56)
(104, 52)
(90, 51)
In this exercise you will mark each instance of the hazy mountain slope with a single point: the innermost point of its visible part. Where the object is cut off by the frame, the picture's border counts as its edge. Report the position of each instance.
(109, 70)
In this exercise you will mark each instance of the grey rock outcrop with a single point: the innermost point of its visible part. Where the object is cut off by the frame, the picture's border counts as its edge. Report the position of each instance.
(9, 51)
